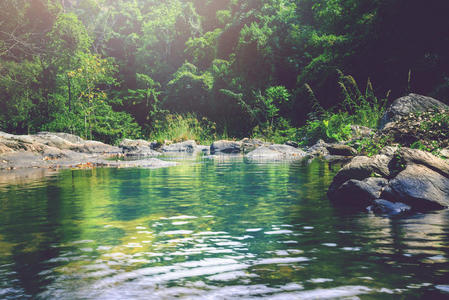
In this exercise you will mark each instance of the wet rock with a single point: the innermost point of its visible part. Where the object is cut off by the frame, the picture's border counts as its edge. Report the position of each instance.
(187, 146)
(419, 187)
(385, 207)
(410, 104)
(342, 150)
(358, 193)
(228, 147)
(276, 152)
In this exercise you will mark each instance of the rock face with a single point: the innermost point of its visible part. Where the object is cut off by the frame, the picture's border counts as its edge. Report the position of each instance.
(412, 177)
(228, 147)
(410, 104)
(187, 146)
(276, 152)
(138, 148)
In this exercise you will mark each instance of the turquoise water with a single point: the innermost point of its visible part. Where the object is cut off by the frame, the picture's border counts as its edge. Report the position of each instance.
(210, 229)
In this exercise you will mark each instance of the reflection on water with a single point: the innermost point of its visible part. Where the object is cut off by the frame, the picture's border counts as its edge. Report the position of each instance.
(212, 229)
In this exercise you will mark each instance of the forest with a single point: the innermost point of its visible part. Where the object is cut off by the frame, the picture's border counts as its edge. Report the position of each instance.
(203, 69)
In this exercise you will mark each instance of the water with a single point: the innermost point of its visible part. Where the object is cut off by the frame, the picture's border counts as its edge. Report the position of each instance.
(209, 229)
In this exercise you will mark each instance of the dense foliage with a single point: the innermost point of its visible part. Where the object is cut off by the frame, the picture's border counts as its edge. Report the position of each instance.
(108, 69)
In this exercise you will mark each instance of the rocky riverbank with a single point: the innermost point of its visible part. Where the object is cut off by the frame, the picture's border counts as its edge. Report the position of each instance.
(399, 179)
(395, 180)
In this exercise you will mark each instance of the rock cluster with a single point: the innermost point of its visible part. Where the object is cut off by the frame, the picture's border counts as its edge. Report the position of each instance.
(62, 150)
(411, 177)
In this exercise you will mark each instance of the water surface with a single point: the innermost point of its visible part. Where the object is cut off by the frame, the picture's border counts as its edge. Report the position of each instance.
(210, 229)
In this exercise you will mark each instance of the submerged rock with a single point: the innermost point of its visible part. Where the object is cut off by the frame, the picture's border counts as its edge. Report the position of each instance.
(385, 207)
(228, 147)
(276, 152)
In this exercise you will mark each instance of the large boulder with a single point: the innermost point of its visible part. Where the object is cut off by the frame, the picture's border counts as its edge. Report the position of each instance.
(138, 148)
(359, 193)
(276, 152)
(360, 168)
(342, 150)
(419, 187)
(228, 147)
(187, 146)
(412, 103)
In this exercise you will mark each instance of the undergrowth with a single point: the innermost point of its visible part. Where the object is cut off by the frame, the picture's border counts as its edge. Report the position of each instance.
(357, 108)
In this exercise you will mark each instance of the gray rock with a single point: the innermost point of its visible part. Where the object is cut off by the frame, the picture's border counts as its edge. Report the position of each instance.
(358, 132)
(276, 152)
(415, 156)
(361, 167)
(292, 143)
(204, 149)
(409, 104)
(65, 136)
(342, 150)
(227, 147)
(319, 149)
(419, 187)
(138, 148)
(187, 146)
(95, 147)
(54, 151)
(389, 150)
(248, 145)
(385, 207)
(358, 193)
(444, 152)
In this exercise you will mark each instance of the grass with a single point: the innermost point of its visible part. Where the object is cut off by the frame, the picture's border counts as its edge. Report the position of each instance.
(357, 108)
(179, 128)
